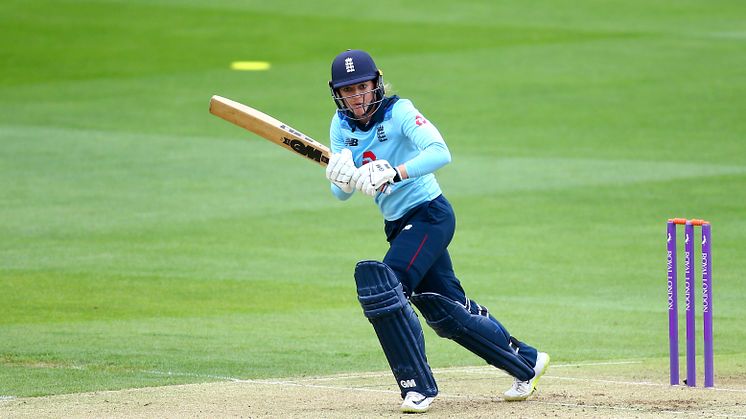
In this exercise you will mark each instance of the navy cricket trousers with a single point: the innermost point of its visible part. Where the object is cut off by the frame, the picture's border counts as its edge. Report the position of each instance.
(418, 255)
(418, 252)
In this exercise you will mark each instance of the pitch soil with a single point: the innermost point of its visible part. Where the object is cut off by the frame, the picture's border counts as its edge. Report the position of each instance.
(575, 391)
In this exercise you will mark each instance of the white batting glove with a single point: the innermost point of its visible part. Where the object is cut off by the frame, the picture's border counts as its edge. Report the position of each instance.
(363, 182)
(340, 169)
(374, 177)
(381, 173)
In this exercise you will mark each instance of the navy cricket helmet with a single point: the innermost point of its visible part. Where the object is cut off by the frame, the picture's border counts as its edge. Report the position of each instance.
(352, 67)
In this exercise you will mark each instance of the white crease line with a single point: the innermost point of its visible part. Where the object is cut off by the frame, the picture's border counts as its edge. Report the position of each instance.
(7, 398)
(343, 376)
(468, 370)
(375, 374)
(302, 382)
(296, 384)
(486, 369)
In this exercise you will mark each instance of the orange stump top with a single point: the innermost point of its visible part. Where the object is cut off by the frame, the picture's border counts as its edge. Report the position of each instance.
(694, 221)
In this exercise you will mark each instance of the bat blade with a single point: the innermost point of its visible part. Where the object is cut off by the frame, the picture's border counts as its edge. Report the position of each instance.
(269, 128)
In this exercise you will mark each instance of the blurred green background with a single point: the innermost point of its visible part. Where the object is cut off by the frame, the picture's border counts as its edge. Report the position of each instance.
(146, 242)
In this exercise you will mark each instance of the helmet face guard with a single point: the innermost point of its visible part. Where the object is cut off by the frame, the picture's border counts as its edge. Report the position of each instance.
(370, 108)
(353, 67)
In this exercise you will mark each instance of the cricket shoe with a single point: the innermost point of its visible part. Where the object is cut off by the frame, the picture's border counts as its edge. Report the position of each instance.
(415, 402)
(522, 390)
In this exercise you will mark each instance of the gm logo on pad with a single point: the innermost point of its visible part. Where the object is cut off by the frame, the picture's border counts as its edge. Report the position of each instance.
(408, 383)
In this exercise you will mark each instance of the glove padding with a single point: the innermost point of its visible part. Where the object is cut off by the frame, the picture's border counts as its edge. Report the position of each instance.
(374, 177)
(340, 169)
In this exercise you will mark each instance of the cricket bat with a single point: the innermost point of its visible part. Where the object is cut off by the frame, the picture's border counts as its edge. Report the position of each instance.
(269, 128)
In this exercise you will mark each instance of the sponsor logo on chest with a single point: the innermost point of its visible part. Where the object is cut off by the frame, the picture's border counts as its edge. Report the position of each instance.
(351, 142)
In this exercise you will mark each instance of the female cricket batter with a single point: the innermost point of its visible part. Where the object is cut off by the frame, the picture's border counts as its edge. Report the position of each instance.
(383, 147)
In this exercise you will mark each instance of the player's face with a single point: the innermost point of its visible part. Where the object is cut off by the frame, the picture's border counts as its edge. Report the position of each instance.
(358, 97)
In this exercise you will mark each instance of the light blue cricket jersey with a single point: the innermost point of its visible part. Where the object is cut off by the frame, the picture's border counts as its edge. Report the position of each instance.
(400, 134)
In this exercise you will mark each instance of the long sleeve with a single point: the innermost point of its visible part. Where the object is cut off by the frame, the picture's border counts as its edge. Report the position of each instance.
(434, 152)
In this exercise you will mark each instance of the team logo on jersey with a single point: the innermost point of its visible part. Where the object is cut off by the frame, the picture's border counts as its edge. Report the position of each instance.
(381, 134)
(349, 65)
(420, 120)
(368, 157)
(351, 142)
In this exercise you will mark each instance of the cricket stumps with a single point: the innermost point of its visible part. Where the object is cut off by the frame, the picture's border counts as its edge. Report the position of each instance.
(689, 300)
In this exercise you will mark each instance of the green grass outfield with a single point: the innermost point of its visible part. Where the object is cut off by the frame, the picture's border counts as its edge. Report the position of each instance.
(139, 235)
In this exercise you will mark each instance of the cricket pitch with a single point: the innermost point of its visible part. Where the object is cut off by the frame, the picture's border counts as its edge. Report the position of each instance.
(599, 390)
